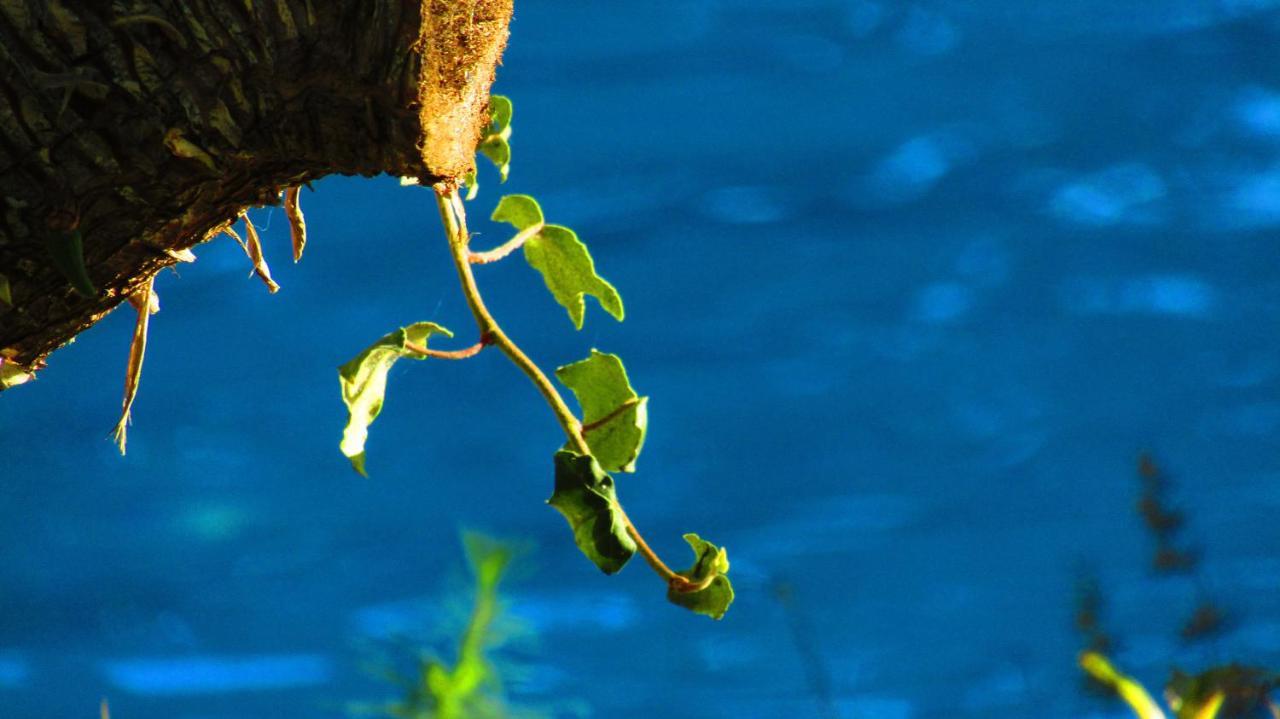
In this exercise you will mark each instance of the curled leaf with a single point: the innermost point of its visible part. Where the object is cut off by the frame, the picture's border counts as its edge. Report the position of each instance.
(364, 383)
(614, 417)
(585, 495)
(66, 249)
(708, 572)
(565, 263)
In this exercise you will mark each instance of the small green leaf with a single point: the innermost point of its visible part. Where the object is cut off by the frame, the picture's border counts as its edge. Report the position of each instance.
(614, 417)
(519, 211)
(499, 153)
(5, 295)
(66, 249)
(364, 383)
(711, 566)
(500, 110)
(495, 142)
(584, 494)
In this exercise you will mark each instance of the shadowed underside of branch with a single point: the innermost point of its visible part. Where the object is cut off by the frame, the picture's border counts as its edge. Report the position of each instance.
(140, 128)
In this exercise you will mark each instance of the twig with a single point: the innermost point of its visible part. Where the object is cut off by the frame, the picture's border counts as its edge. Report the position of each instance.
(453, 214)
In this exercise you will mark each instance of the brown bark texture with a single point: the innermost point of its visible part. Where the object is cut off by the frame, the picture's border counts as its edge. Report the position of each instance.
(143, 127)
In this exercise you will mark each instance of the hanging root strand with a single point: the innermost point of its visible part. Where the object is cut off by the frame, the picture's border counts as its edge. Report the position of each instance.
(253, 248)
(297, 224)
(146, 303)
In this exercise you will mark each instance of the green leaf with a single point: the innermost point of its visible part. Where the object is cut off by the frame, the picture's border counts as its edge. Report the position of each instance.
(495, 143)
(499, 153)
(560, 256)
(500, 110)
(5, 295)
(584, 494)
(66, 249)
(614, 417)
(711, 566)
(364, 383)
(519, 211)
(569, 272)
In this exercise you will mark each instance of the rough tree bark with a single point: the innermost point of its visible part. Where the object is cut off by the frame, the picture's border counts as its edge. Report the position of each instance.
(148, 125)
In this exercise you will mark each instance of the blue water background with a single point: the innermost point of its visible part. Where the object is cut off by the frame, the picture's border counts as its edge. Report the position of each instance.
(910, 286)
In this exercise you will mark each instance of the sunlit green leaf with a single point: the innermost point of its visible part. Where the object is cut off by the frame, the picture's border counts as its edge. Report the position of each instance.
(500, 110)
(519, 211)
(499, 153)
(614, 417)
(66, 249)
(364, 383)
(710, 568)
(585, 495)
(569, 272)
(560, 256)
(494, 144)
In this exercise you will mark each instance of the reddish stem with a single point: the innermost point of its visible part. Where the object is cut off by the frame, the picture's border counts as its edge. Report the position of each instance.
(461, 354)
(589, 426)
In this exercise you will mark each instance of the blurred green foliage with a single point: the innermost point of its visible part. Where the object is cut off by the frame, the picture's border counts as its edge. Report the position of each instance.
(468, 685)
(1223, 691)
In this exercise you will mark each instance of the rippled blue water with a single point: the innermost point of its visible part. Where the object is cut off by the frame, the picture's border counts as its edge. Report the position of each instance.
(910, 285)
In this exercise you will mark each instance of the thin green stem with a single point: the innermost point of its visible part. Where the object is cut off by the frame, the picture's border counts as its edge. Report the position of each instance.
(455, 222)
(454, 216)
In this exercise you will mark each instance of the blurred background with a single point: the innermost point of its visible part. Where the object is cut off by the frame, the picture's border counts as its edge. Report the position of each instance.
(910, 284)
